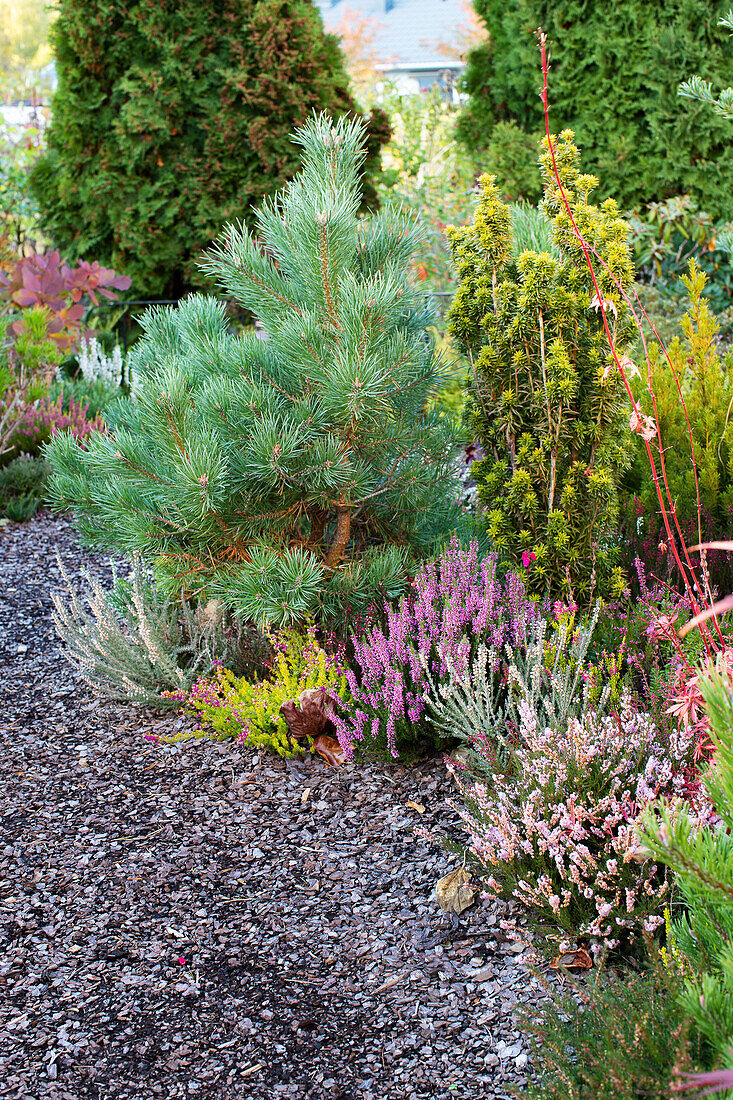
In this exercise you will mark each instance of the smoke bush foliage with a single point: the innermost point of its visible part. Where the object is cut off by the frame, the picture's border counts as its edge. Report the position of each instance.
(557, 830)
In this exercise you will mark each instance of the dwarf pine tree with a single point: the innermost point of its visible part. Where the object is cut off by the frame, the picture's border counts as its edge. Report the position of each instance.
(547, 402)
(291, 471)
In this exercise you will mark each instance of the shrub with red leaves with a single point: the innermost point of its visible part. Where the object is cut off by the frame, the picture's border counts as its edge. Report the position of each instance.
(45, 280)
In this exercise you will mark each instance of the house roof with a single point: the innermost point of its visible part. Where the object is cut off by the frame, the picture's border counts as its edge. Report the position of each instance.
(407, 34)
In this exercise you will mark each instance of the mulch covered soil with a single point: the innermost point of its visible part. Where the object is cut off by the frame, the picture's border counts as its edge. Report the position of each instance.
(190, 921)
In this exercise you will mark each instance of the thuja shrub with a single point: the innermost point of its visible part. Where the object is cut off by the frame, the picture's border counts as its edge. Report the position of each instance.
(455, 603)
(557, 831)
(545, 401)
(249, 709)
(22, 487)
(616, 70)
(296, 476)
(174, 117)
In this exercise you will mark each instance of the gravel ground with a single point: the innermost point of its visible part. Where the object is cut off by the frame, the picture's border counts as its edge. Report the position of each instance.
(192, 921)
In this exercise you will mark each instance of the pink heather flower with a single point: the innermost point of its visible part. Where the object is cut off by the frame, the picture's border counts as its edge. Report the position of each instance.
(182, 961)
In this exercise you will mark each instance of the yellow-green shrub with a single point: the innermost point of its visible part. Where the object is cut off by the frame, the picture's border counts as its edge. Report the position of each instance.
(233, 706)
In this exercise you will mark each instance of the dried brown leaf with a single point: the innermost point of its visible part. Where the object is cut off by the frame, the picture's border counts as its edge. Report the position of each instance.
(454, 891)
(330, 750)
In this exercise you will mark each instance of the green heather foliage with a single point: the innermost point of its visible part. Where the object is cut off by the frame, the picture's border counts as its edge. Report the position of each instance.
(292, 471)
(546, 401)
(705, 377)
(619, 1039)
(173, 117)
(615, 70)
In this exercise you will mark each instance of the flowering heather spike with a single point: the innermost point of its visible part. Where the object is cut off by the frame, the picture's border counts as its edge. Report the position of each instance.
(560, 833)
(455, 604)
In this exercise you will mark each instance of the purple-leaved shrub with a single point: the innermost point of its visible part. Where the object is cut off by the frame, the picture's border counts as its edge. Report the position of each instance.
(455, 604)
(558, 831)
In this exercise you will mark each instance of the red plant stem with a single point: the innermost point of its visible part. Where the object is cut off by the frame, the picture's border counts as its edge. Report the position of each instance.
(689, 584)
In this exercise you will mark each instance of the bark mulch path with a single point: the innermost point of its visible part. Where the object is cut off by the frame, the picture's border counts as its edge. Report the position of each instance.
(182, 921)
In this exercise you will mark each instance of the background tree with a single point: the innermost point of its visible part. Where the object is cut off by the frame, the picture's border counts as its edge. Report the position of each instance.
(173, 117)
(616, 68)
(294, 475)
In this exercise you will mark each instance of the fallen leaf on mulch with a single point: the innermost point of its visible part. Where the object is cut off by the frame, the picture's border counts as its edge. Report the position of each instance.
(580, 959)
(418, 806)
(310, 714)
(454, 891)
(330, 750)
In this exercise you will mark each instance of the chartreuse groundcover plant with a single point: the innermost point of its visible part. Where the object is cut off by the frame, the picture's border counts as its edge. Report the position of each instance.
(295, 471)
(249, 708)
(545, 400)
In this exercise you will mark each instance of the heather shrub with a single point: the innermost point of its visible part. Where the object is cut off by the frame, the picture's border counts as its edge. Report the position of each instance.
(45, 418)
(547, 679)
(556, 830)
(455, 603)
(129, 642)
(612, 1038)
(94, 396)
(232, 706)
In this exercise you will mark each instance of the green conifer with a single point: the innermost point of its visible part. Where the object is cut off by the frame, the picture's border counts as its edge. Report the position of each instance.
(295, 469)
(547, 402)
(172, 118)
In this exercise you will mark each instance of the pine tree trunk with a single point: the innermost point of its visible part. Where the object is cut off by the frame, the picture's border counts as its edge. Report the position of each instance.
(341, 535)
(318, 526)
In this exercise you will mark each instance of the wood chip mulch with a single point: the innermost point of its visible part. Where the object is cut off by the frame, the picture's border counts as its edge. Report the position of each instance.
(192, 921)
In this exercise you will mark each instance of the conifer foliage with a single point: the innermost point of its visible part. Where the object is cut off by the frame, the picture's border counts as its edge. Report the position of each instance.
(547, 401)
(293, 470)
(616, 70)
(173, 117)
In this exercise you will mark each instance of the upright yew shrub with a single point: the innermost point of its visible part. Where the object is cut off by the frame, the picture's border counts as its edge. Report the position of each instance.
(173, 117)
(292, 471)
(545, 403)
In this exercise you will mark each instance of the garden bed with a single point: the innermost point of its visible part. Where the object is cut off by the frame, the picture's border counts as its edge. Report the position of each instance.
(189, 920)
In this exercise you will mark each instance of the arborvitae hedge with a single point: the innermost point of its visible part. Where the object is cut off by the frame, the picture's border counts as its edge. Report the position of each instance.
(615, 69)
(173, 117)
